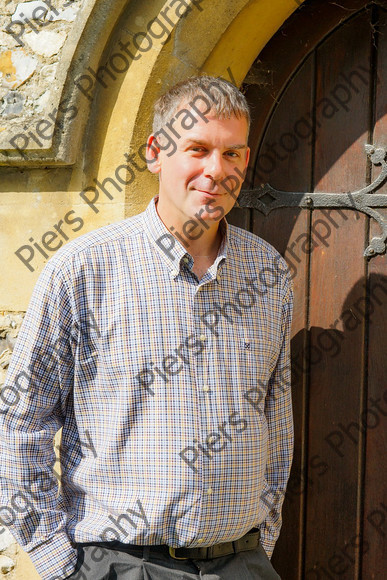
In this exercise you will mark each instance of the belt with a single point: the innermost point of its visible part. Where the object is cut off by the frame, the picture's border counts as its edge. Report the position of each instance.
(248, 542)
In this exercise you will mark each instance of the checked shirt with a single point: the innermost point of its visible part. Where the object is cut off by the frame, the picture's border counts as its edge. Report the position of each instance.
(173, 394)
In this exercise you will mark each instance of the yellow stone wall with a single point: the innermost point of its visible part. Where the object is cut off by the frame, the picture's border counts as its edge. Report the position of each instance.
(220, 37)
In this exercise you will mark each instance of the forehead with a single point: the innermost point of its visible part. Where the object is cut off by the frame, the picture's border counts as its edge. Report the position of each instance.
(200, 125)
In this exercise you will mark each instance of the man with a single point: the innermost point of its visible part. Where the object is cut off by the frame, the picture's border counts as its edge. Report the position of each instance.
(161, 346)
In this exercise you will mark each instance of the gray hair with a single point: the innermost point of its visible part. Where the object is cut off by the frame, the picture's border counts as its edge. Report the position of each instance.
(225, 99)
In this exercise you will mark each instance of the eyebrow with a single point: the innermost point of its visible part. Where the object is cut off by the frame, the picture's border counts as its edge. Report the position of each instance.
(199, 142)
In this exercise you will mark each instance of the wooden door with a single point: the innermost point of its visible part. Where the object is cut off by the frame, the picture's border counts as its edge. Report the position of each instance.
(318, 93)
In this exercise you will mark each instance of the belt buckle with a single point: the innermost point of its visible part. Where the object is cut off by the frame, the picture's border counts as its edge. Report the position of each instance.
(172, 553)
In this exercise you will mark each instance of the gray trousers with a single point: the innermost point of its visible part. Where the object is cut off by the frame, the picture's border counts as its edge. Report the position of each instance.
(98, 562)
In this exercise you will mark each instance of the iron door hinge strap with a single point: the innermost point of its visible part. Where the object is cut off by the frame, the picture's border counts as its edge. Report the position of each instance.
(365, 200)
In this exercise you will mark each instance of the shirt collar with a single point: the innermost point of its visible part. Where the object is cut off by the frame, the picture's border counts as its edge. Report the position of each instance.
(169, 247)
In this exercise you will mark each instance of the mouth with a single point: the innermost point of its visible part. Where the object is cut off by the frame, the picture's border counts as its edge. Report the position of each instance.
(210, 193)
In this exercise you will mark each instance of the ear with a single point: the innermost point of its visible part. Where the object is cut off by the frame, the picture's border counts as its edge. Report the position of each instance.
(153, 155)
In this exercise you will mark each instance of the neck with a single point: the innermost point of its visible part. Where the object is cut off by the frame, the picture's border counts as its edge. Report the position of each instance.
(207, 245)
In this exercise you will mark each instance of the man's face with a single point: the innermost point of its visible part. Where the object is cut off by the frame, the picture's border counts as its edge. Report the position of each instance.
(203, 169)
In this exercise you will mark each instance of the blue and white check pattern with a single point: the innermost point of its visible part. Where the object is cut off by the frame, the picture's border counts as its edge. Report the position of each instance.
(174, 395)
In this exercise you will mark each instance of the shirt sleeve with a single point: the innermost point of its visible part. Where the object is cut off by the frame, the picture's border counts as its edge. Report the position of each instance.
(279, 416)
(32, 410)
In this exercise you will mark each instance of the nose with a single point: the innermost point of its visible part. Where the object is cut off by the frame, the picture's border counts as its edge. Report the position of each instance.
(214, 166)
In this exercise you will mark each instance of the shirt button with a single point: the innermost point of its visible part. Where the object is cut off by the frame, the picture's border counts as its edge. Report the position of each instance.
(202, 337)
(185, 260)
(209, 491)
(200, 540)
(211, 439)
(206, 388)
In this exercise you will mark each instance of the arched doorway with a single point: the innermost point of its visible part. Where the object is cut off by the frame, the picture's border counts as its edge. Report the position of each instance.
(318, 93)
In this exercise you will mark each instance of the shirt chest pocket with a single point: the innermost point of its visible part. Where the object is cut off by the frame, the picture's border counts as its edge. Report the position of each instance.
(257, 359)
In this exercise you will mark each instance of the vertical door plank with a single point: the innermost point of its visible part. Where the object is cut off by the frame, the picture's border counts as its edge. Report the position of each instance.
(337, 281)
(342, 107)
(284, 161)
(375, 503)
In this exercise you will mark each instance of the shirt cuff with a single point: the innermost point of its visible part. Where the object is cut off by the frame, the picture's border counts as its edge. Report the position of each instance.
(56, 558)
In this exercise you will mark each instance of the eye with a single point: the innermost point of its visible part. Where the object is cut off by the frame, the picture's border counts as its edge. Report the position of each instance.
(232, 153)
